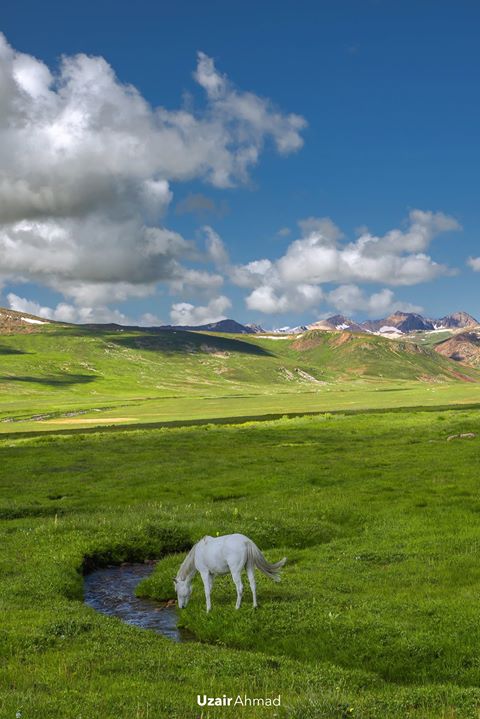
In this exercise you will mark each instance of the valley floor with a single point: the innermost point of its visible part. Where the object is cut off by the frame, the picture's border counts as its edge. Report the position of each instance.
(69, 414)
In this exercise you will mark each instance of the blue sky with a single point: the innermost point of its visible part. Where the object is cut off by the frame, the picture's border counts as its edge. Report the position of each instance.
(363, 112)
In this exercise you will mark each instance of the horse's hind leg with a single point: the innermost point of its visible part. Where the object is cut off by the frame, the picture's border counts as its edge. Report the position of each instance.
(253, 586)
(237, 578)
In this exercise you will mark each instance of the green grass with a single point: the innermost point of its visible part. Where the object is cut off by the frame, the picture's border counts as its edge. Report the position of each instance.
(74, 377)
(377, 612)
(376, 615)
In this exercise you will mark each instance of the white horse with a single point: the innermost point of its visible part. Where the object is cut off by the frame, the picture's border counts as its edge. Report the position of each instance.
(219, 555)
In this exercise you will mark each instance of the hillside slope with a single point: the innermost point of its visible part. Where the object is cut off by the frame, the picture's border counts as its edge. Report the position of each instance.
(124, 362)
(13, 322)
(463, 348)
(349, 355)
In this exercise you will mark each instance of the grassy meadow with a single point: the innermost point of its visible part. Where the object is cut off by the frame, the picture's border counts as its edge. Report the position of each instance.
(377, 612)
(376, 616)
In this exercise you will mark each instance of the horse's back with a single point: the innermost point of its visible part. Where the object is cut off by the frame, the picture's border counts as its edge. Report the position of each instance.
(218, 553)
(227, 539)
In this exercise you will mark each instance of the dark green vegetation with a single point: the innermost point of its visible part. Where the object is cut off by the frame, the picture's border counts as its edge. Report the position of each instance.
(57, 376)
(376, 615)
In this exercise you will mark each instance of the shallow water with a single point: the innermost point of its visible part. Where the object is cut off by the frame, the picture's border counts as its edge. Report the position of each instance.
(112, 591)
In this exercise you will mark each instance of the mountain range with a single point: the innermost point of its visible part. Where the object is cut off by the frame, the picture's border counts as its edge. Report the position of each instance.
(395, 324)
(398, 323)
(406, 322)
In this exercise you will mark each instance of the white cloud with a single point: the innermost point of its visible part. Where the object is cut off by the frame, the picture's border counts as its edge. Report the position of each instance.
(86, 166)
(394, 258)
(207, 76)
(190, 281)
(156, 196)
(474, 263)
(254, 117)
(318, 257)
(322, 227)
(86, 294)
(65, 312)
(295, 299)
(252, 274)
(249, 275)
(423, 227)
(184, 313)
(284, 232)
(77, 140)
(122, 258)
(216, 250)
(349, 299)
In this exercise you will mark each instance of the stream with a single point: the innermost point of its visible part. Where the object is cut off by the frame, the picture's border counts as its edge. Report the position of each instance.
(111, 591)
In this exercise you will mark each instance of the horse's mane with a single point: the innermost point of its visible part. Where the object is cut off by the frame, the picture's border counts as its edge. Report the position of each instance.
(187, 567)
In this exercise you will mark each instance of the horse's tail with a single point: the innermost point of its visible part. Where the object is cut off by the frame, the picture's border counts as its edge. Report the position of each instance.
(256, 558)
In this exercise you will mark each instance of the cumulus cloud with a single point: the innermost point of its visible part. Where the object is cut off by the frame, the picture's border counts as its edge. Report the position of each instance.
(74, 140)
(395, 258)
(322, 227)
(318, 257)
(474, 263)
(349, 299)
(190, 281)
(271, 301)
(99, 293)
(86, 167)
(294, 282)
(64, 312)
(184, 313)
(254, 117)
(156, 196)
(216, 250)
(95, 256)
(251, 274)
(423, 227)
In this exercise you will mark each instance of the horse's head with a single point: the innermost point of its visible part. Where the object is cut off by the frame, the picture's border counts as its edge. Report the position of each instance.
(183, 589)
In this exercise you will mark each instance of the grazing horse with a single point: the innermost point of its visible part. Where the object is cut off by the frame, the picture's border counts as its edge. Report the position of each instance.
(220, 555)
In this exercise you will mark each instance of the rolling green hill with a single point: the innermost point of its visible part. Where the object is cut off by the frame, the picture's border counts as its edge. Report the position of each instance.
(76, 372)
(114, 362)
(344, 355)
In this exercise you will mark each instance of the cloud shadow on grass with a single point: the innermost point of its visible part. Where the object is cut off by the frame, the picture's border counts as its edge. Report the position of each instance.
(55, 381)
(181, 342)
(11, 351)
(167, 341)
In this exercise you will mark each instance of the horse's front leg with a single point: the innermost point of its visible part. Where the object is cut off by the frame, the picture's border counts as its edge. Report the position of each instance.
(207, 585)
(237, 578)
